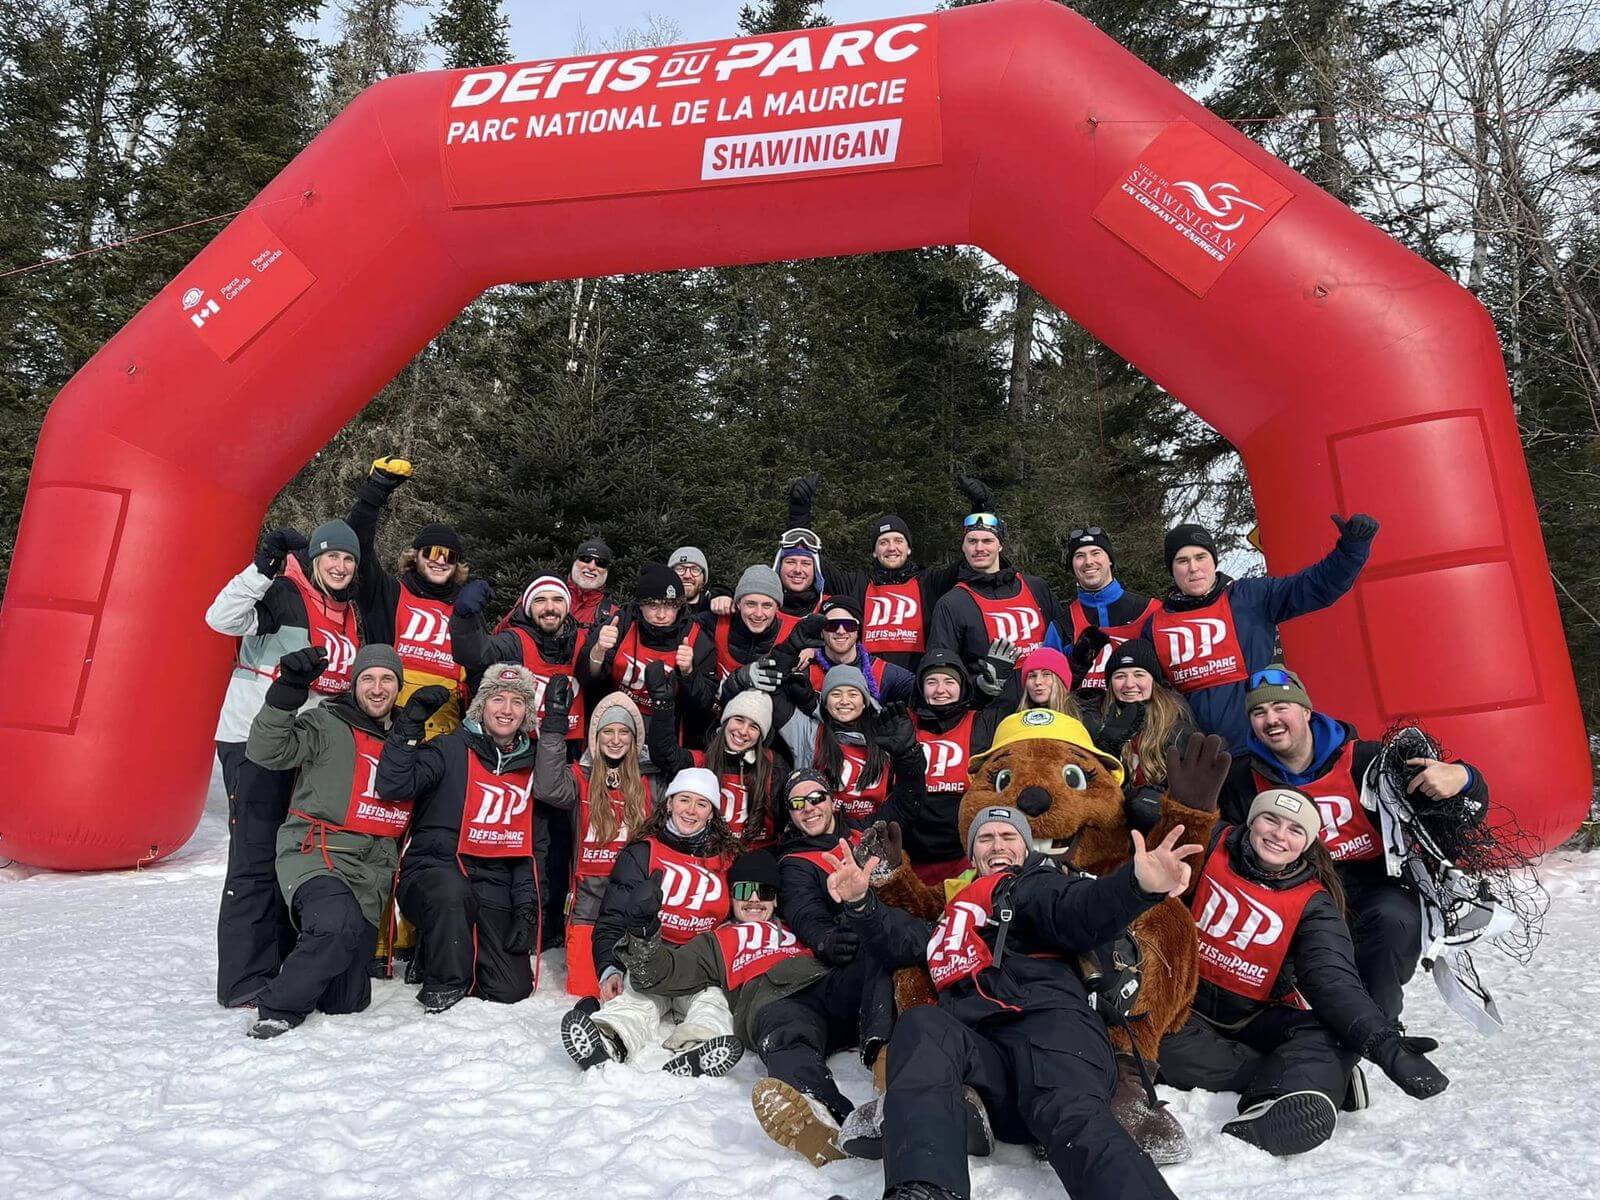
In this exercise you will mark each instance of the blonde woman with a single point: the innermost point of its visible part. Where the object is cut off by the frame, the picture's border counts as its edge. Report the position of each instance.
(1142, 713)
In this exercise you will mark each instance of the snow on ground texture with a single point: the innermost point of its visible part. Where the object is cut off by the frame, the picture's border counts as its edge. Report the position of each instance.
(120, 1076)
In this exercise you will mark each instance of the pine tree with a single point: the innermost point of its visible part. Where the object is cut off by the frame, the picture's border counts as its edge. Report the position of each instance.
(472, 33)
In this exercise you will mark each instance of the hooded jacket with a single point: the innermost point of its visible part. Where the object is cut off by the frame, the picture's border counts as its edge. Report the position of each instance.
(935, 836)
(958, 625)
(696, 690)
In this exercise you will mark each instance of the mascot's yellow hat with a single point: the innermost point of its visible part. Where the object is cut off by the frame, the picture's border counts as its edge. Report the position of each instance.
(1045, 723)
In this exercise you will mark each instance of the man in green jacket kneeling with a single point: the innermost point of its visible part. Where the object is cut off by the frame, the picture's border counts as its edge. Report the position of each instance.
(338, 849)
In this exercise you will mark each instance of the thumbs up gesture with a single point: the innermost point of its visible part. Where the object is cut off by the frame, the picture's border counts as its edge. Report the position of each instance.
(686, 656)
(609, 634)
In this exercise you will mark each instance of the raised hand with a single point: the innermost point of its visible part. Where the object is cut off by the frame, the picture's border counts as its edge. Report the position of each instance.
(685, 656)
(994, 671)
(895, 732)
(660, 684)
(389, 473)
(1358, 527)
(848, 880)
(1162, 869)
(475, 596)
(1195, 777)
(606, 640)
(557, 704)
(302, 668)
(1086, 649)
(276, 546)
(977, 493)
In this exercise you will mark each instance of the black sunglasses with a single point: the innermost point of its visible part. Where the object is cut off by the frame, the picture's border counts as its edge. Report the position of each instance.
(594, 560)
(808, 800)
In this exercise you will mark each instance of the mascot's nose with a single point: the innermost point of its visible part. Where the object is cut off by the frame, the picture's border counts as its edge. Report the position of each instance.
(1034, 801)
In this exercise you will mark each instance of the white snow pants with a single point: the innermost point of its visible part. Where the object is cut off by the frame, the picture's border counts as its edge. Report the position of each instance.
(634, 1018)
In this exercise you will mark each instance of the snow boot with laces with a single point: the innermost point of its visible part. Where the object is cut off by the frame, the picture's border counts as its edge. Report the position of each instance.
(796, 1120)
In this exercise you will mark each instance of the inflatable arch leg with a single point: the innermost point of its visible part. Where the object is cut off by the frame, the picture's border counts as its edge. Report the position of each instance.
(1350, 374)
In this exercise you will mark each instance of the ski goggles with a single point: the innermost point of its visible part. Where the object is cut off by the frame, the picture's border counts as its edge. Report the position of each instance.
(594, 560)
(840, 625)
(1088, 531)
(808, 800)
(983, 520)
(438, 554)
(1272, 677)
(800, 537)
(745, 890)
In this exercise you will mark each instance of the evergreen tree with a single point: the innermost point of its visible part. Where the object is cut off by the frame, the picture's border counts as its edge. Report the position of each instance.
(472, 33)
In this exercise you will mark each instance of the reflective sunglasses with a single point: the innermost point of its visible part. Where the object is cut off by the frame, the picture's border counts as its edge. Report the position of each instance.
(1089, 531)
(754, 891)
(983, 520)
(808, 800)
(594, 560)
(438, 554)
(840, 625)
(800, 537)
(1273, 676)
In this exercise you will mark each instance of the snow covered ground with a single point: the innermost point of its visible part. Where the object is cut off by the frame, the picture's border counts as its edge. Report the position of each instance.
(120, 1076)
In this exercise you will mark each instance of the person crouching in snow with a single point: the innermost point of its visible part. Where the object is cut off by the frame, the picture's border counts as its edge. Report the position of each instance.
(467, 878)
(672, 875)
(788, 1007)
(336, 851)
(1250, 1030)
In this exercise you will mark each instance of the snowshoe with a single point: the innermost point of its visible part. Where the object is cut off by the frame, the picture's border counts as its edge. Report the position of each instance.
(585, 1042)
(713, 1058)
(1356, 1096)
(1153, 1127)
(268, 1027)
(1286, 1125)
(436, 997)
(793, 1119)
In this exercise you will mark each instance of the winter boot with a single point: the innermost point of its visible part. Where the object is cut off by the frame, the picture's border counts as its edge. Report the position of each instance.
(436, 997)
(1356, 1096)
(917, 1190)
(1152, 1127)
(861, 1135)
(585, 1042)
(268, 1027)
(714, 1057)
(1286, 1125)
(793, 1119)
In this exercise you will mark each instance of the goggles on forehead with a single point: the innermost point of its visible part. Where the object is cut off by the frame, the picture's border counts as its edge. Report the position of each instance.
(809, 800)
(1088, 531)
(983, 520)
(800, 537)
(438, 554)
(747, 890)
(1271, 676)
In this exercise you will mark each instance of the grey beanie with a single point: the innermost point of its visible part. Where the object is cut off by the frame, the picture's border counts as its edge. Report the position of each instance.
(333, 535)
(752, 705)
(377, 654)
(999, 812)
(845, 675)
(692, 555)
(758, 581)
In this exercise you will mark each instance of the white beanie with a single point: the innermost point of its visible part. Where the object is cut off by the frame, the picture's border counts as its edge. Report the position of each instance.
(697, 781)
(1291, 805)
(752, 705)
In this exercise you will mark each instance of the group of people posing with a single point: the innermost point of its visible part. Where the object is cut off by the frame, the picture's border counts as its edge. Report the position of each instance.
(695, 790)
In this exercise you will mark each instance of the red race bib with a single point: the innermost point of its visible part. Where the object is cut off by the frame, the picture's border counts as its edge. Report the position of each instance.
(694, 893)
(422, 635)
(894, 619)
(1245, 929)
(1347, 828)
(1096, 678)
(365, 812)
(752, 948)
(1199, 648)
(957, 951)
(1019, 620)
(330, 625)
(543, 672)
(497, 818)
(948, 756)
(596, 858)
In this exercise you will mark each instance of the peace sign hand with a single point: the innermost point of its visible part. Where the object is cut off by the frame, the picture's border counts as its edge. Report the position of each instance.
(848, 882)
(1162, 869)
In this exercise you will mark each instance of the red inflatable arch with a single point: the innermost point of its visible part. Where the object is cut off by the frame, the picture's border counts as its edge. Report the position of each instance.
(1350, 374)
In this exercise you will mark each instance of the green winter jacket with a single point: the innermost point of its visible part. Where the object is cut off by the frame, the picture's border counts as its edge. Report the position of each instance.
(658, 969)
(320, 743)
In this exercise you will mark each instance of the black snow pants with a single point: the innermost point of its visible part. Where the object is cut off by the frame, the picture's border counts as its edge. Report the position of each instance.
(795, 1035)
(1042, 1077)
(1281, 1050)
(254, 935)
(462, 927)
(555, 871)
(231, 756)
(327, 970)
(1386, 926)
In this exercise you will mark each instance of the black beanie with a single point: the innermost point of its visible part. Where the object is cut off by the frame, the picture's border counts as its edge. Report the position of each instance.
(758, 866)
(888, 523)
(1091, 536)
(1189, 535)
(437, 534)
(1136, 652)
(845, 602)
(657, 581)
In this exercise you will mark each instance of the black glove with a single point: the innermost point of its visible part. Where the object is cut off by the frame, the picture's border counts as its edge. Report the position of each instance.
(838, 946)
(557, 705)
(1358, 527)
(1086, 649)
(475, 596)
(1142, 809)
(1410, 1069)
(297, 671)
(661, 684)
(894, 730)
(1126, 720)
(519, 938)
(808, 631)
(977, 492)
(276, 546)
(883, 841)
(643, 907)
(636, 953)
(803, 491)
(994, 669)
(424, 702)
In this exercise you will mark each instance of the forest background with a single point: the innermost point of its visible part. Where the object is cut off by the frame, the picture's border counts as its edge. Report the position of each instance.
(658, 410)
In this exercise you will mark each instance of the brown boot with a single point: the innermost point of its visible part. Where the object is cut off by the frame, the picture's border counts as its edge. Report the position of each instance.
(796, 1121)
(880, 1071)
(1154, 1128)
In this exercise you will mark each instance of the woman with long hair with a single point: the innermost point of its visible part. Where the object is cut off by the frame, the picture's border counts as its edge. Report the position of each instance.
(612, 789)
(1280, 1015)
(1047, 682)
(1140, 717)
